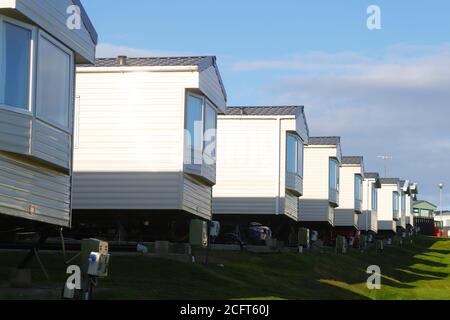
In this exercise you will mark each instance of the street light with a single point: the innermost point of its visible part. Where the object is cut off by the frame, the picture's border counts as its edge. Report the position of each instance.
(440, 186)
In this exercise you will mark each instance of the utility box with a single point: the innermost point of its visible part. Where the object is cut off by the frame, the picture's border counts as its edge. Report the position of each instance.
(89, 246)
(341, 245)
(303, 237)
(198, 233)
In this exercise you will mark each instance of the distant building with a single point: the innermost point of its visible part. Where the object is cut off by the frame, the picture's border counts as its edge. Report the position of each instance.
(443, 219)
(424, 208)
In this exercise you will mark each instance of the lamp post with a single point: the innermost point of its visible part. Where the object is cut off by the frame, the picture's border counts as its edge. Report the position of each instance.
(440, 186)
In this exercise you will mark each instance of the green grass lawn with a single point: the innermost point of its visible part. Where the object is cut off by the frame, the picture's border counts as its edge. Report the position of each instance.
(419, 271)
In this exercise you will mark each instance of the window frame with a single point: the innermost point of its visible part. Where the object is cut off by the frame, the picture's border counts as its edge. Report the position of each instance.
(374, 197)
(32, 67)
(205, 103)
(71, 99)
(395, 202)
(358, 178)
(298, 143)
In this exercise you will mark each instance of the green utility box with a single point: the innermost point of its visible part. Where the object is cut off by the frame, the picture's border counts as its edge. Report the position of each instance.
(198, 233)
(341, 244)
(303, 237)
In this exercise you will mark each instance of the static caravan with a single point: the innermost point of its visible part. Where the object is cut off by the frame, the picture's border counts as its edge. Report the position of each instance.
(321, 184)
(144, 161)
(410, 198)
(404, 191)
(260, 167)
(388, 206)
(368, 220)
(350, 196)
(37, 72)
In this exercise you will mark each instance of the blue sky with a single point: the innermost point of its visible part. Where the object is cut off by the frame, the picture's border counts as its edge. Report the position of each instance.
(383, 91)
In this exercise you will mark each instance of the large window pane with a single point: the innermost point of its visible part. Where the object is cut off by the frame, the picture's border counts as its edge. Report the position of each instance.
(374, 197)
(53, 87)
(300, 157)
(358, 189)
(194, 126)
(16, 66)
(291, 154)
(210, 132)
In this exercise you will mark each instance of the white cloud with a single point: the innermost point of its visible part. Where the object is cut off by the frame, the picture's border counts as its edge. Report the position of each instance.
(106, 50)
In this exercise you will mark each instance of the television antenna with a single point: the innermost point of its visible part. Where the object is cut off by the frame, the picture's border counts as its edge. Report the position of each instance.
(385, 158)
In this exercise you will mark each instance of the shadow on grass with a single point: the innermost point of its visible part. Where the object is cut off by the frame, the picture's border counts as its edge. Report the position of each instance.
(242, 275)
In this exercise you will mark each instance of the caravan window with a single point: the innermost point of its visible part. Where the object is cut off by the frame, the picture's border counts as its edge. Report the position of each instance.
(16, 65)
(53, 83)
(201, 125)
(395, 199)
(294, 155)
(194, 127)
(374, 197)
(210, 132)
(334, 175)
(358, 188)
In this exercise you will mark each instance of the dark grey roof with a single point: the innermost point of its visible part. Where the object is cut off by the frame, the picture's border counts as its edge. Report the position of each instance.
(264, 110)
(202, 62)
(325, 141)
(371, 175)
(352, 160)
(87, 22)
(389, 180)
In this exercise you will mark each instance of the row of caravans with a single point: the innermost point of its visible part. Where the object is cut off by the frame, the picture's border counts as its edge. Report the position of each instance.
(144, 145)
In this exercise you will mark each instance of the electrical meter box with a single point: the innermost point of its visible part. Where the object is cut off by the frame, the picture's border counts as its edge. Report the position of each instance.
(303, 237)
(198, 233)
(89, 246)
(98, 264)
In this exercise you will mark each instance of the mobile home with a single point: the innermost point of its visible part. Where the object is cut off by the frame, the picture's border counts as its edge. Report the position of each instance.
(350, 196)
(410, 198)
(388, 206)
(144, 162)
(320, 184)
(368, 220)
(39, 53)
(260, 167)
(404, 191)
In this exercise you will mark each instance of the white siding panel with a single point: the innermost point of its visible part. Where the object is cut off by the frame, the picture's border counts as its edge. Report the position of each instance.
(126, 190)
(197, 198)
(15, 132)
(209, 84)
(131, 143)
(52, 145)
(316, 210)
(247, 166)
(345, 218)
(28, 190)
(291, 206)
